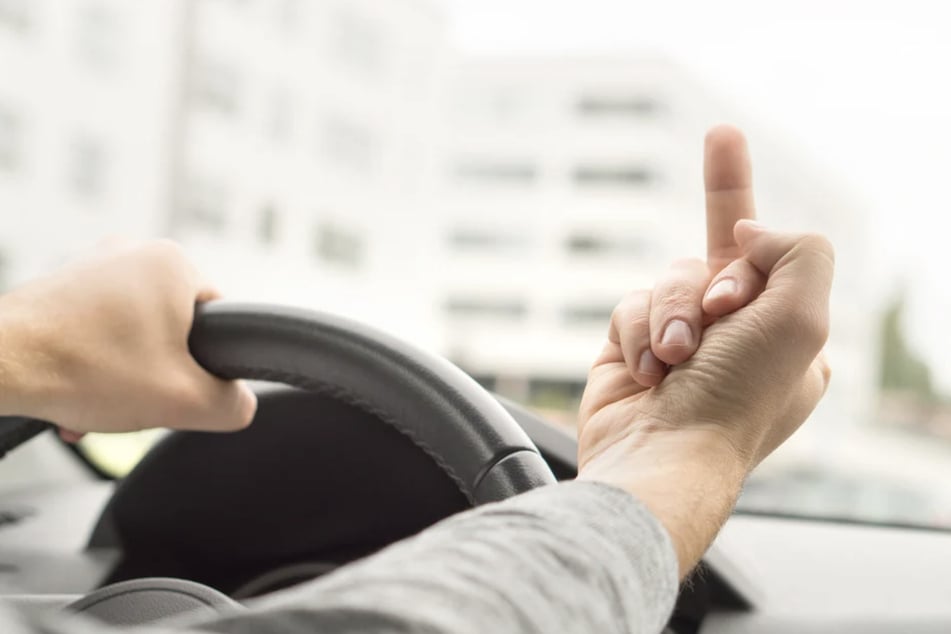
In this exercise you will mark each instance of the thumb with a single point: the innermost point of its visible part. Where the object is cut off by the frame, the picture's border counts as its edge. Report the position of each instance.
(795, 303)
(223, 405)
(234, 405)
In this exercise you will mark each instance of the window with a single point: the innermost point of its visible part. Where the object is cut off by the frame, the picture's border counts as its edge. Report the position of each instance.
(587, 314)
(339, 246)
(268, 225)
(348, 144)
(205, 206)
(216, 86)
(476, 240)
(496, 173)
(357, 42)
(97, 35)
(10, 140)
(502, 104)
(586, 244)
(86, 169)
(486, 308)
(610, 176)
(505, 105)
(618, 107)
(16, 15)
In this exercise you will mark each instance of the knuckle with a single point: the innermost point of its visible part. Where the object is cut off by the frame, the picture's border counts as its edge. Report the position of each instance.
(630, 308)
(166, 250)
(676, 296)
(818, 245)
(636, 325)
(676, 289)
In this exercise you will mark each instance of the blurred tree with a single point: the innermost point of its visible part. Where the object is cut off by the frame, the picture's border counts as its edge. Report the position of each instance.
(902, 370)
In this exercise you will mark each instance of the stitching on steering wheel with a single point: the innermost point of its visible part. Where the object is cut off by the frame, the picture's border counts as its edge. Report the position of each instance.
(351, 399)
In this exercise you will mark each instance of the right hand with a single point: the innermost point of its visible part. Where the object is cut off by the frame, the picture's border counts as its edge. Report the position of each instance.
(663, 327)
(740, 257)
(685, 444)
(755, 377)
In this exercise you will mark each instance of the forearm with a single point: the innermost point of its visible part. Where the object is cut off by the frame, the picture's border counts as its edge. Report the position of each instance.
(578, 557)
(572, 557)
(689, 481)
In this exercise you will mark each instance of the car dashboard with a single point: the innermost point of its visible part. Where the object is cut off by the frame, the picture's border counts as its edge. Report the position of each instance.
(763, 574)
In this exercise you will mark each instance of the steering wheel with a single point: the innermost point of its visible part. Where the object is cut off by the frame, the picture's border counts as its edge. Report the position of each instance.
(438, 407)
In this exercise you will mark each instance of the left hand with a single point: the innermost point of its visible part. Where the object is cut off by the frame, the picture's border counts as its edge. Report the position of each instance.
(102, 346)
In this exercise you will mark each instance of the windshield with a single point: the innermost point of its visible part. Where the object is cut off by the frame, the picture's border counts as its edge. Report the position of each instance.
(487, 178)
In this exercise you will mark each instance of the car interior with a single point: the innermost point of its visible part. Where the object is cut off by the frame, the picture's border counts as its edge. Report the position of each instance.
(361, 440)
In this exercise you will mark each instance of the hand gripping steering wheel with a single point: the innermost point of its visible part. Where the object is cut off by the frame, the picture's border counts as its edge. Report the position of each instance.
(438, 407)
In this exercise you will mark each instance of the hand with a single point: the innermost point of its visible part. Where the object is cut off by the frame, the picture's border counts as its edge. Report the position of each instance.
(663, 327)
(102, 345)
(685, 445)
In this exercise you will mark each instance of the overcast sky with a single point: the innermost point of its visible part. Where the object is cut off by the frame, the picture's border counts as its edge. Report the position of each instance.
(863, 86)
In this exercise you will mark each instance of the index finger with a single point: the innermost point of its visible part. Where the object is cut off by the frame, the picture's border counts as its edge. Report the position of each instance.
(728, 177)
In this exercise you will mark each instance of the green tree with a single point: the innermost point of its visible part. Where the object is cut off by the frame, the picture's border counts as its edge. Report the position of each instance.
(902, 370)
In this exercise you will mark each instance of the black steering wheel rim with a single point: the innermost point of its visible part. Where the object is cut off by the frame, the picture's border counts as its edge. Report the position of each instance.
(442, 410)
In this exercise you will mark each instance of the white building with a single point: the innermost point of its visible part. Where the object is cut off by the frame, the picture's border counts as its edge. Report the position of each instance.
(84, 126)
(570, 181)
(288, 144)
(307, 153)
(292, 146)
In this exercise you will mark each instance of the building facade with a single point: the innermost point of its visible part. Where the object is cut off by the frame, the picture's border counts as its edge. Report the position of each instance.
(331, 154)
(84, 123)
(307, 152)
(287, 144)
(569, 181)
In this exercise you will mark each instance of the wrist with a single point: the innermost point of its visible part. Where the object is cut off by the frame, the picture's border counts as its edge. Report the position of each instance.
(689, 479)
(27, 374)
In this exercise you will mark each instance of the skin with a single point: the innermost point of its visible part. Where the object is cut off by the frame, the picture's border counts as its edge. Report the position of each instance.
(683, 438)
(677, 419)
(102, 345)
(662, 327)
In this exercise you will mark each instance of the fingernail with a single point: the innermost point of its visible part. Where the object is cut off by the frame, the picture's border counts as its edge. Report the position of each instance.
(724, 288)
(677, 334)
(649, 364)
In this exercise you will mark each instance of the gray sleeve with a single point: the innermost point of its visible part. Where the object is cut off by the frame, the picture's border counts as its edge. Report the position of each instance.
(571, 557)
